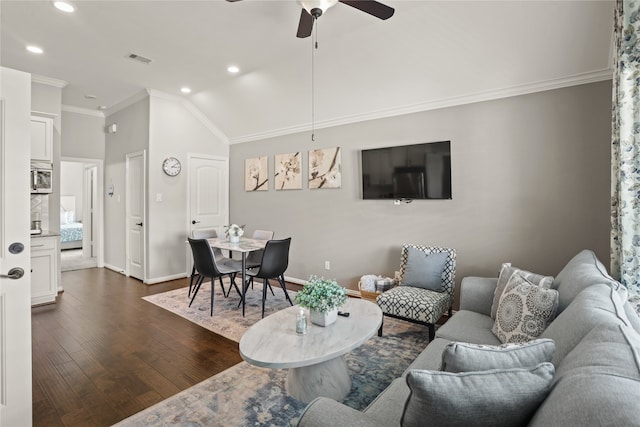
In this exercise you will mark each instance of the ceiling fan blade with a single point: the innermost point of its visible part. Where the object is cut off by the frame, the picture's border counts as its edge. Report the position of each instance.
(371, 7)
(306, 25)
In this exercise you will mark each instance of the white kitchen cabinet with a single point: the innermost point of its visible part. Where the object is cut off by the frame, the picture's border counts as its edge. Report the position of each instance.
(44, 269)
(42, 139)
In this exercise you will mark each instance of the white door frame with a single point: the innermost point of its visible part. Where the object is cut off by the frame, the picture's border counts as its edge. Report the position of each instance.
(99, 216)
(190, 157)
(145, 221)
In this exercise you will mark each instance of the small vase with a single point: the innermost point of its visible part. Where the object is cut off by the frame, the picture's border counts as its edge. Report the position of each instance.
(234, 239)
(323, 319)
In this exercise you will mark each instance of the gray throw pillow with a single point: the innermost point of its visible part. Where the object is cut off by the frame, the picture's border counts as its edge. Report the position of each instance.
(467, 357)
(497, 397)
(506, 272)
(524, 310)
(424, 270)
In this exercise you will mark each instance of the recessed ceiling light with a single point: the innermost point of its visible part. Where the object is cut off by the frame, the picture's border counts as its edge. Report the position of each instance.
(102, 107)
(64, 6)
(185, 90)
(34, 49)
(89, 96)
(233, 69)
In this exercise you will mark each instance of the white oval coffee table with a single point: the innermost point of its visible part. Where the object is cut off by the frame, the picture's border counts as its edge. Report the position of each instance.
(315, 360)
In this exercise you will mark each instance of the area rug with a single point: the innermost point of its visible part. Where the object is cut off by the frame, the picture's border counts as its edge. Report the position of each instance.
(245, 395)
(227, 317)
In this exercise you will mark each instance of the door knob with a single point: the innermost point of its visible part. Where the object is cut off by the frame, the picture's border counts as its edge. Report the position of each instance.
(15, 273)
(195, 222)
(139, 223)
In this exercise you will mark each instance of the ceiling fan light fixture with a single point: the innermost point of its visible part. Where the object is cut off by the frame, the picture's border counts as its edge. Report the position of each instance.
(310, 5)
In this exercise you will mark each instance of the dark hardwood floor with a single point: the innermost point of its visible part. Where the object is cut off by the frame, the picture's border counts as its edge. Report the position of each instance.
(102, 353)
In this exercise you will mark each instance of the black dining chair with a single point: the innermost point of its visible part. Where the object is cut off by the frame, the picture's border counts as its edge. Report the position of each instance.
(274, 262)
(209, 233)
(205, 263)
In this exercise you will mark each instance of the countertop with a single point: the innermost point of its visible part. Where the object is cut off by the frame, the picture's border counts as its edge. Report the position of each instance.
(45, 233)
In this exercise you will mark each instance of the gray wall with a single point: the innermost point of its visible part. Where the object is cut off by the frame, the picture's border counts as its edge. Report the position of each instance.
(132, 136)
(84, 136)
(530, 186)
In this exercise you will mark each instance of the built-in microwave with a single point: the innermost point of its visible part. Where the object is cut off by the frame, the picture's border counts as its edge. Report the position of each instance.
(41, 178)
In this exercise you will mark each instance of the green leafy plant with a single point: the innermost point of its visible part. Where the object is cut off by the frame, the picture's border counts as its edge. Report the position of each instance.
(321, 295)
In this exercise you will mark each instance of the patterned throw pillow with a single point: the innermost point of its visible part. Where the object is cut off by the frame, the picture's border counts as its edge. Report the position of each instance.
(506, 272)
(524, 310)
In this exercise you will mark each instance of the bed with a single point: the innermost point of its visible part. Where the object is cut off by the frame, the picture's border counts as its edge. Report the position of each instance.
(71, 230)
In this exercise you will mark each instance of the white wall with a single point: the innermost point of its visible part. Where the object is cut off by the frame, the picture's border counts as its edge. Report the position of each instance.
(530, 186)
(174, 131)
(72, 183)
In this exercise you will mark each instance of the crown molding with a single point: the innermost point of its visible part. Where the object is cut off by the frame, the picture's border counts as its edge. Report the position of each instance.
(85, 111)
(136, 97)
(193, 110)
(35, 78)
(578, 79)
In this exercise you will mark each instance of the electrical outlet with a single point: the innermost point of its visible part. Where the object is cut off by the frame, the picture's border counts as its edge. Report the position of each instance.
(327, 265)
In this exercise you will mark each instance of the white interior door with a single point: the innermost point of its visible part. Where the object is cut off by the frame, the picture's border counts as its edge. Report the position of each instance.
(15, 294)
(135, 211)
(208, 195)
(208, 200)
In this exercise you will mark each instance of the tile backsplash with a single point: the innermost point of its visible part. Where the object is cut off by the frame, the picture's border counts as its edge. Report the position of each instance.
(40, 209)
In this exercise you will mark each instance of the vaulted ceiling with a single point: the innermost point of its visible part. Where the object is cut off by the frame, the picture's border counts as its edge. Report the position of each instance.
(428, 55)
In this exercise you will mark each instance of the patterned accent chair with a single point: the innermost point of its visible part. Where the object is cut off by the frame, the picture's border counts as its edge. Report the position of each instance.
(419, 305)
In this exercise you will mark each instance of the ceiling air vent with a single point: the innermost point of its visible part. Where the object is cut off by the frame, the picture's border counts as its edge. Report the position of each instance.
(139, 58)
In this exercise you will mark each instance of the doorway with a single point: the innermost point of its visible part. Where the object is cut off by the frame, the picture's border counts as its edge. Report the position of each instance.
(80, 214)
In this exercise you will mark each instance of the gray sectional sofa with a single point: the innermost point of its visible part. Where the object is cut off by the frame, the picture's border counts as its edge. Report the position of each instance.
(597, 363)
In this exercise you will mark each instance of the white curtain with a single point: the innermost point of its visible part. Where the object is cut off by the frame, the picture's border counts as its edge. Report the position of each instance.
(625, 149)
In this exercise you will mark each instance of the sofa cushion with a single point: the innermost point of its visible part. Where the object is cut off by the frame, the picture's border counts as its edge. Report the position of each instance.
(482, 398)
(595, 305)
(466, 357)
(582, 271)
(598, 382)
(524, 310)
(431, 356)
(424, 270)
(506, 272)
(476, 294)
(387, 408)
(468, 326)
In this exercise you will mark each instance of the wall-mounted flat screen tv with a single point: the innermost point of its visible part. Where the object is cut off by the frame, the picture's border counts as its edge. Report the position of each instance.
(418, 171)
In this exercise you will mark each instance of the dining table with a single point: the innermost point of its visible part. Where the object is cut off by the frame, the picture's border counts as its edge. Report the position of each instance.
(244, 246)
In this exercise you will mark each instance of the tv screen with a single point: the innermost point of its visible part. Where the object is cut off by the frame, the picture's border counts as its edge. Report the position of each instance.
(418, 171)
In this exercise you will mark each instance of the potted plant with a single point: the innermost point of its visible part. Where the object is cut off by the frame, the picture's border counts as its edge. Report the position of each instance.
(234, 232)
(322, 297)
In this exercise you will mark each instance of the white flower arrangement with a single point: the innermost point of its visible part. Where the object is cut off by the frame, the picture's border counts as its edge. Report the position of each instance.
(234, 230)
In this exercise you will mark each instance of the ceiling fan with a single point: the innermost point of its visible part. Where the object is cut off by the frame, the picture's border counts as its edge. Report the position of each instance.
(313, 9)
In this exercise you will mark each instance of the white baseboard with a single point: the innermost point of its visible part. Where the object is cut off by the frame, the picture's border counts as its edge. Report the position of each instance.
(350, 292)
(165, 278)
(114, 268)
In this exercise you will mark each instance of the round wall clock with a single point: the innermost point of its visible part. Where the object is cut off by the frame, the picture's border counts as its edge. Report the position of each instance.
(171, 166)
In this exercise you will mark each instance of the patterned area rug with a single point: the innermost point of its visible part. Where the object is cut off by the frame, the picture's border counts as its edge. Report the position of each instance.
(227, 317)
(245, 395)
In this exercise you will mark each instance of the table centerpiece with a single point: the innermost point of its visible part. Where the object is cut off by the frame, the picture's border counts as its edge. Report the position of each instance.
(322, 297)
(234, 232)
